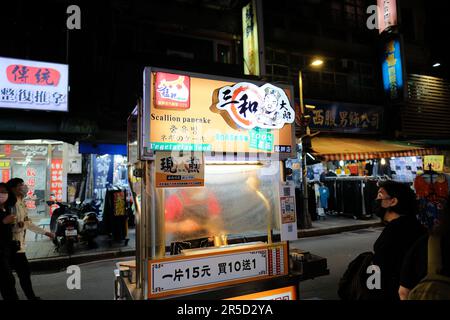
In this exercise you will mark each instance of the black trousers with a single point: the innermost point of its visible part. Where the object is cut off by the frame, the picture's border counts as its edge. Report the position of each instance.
(7, 280)
(19, 262)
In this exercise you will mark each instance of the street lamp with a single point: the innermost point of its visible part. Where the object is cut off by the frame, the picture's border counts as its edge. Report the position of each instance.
(316, 63)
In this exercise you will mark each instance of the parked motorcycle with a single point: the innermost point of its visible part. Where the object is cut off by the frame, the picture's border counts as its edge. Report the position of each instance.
(91, 225)
(64, 223)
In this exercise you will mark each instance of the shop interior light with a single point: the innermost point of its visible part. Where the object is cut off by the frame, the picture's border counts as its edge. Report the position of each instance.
(383, 161)
(217, 162)
(309, 155)
(436, 65)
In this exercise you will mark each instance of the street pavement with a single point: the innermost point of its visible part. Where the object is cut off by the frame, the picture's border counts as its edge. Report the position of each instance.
(97, 278)
(339, 249)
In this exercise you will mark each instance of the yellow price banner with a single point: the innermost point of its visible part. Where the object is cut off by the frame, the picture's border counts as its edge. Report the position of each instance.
(436, 162)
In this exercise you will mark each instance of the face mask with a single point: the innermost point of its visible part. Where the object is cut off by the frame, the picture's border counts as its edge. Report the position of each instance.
(378, 209)
(23, 190)
(3, 197)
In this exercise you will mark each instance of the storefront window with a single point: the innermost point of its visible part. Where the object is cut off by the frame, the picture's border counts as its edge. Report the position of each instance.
(41, 166)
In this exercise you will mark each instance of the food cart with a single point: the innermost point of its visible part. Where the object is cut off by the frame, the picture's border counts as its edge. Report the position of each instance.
(214, 213)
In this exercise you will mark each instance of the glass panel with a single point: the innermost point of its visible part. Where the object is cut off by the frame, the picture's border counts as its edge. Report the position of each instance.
(236, 199)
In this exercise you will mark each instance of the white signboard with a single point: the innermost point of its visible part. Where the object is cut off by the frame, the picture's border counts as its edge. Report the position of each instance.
(33, 85)
(249, 106)
(184, 275)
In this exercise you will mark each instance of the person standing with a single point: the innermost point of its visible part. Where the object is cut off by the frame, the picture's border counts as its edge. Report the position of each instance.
(19, 259)
(7, 281)
(415, 266)
(397, 209)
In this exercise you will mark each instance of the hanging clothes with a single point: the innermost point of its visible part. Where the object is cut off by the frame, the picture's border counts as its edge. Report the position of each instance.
(432, 190)
(331, 185)
(324, 196)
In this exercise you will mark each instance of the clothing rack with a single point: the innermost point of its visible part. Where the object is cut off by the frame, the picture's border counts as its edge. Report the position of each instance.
(342, 206)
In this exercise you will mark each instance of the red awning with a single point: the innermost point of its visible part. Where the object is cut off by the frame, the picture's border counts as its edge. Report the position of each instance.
(335, 149)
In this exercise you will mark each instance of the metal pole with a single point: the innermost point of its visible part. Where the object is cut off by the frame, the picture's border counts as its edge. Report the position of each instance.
(306, 221)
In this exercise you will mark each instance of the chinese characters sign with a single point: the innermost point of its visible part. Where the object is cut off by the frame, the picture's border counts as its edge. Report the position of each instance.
(204, 127)
(172, 91)
(250, 39)
(346, 118)
(178, 169)
(387, 14)
(103, 171)
(247, 106)
(33, 85)
(192, 273)
(56, 179)
(5, 170)
(393, 70)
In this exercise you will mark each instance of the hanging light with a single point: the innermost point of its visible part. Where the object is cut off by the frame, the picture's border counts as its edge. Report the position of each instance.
(383, 161)
(341, 163)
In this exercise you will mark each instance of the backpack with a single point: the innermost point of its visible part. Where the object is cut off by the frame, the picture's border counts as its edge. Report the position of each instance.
(434, 286)
(352, 285)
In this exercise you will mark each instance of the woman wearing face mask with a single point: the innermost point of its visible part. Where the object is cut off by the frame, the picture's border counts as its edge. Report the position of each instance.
(7, 281)
(396, 204)
(19, 260)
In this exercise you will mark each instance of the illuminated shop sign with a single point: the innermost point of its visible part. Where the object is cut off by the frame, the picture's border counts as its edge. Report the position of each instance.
(33, 85)
(387, 14)
(393, 70)
(221, 116)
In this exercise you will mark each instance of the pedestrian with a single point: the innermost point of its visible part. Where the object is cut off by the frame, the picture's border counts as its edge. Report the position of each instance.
(415, 265)
(19, 259)
(7, 281)
(396, 204)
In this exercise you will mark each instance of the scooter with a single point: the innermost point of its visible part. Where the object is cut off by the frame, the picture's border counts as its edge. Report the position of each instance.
(90, 222)
(64, 223)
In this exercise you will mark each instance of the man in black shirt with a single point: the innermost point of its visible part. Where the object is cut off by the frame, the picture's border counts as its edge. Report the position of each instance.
(396, 202)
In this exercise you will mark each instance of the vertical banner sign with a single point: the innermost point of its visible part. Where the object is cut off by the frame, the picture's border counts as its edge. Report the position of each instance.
(252, 38)
(288, 213)
(393, 70)
(103, 171)
(179, 169)
(387, 14)
(56, 179)
(31, 183)
(33, 85)
(5, 170)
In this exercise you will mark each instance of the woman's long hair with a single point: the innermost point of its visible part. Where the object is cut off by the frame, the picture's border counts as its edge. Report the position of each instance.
(11, 202)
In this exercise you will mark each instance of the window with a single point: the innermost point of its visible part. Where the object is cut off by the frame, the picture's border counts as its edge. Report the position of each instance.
(223, 53)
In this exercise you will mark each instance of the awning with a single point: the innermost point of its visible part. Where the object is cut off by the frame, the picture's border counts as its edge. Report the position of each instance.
(335, 149)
